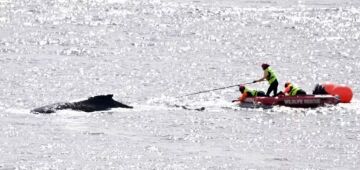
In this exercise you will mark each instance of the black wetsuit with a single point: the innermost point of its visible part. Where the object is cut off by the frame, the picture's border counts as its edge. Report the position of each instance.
(300, 92)
(258, 93)
(319, 89)
(273, 87)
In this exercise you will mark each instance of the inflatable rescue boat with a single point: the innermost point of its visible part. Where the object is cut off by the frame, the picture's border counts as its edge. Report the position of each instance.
(306, 101)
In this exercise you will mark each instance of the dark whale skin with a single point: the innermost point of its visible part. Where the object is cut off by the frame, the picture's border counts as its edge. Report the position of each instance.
(96, 103)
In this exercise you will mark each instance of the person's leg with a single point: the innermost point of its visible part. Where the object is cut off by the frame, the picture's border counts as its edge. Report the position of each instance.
(273, 87)
(316, 89)
(319, 89)
(268, 91)
(261, 93)
(276, 84)
(280, 94)
(300, 93)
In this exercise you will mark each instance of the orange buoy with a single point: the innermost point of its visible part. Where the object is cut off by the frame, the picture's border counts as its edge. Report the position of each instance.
(329, 87)
(344, 92)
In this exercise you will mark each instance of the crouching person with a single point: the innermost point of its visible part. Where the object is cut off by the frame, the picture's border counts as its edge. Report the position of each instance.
(246, 92)
(291, 90)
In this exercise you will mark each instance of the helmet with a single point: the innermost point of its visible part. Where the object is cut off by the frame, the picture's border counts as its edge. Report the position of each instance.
(241, 88)
(264, 66)
(287, 84)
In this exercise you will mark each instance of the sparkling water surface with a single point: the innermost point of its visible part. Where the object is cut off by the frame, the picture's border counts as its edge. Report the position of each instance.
(147, 53)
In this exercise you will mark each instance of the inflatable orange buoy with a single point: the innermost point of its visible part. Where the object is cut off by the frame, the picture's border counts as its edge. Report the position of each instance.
(329, 87)
(344, 92)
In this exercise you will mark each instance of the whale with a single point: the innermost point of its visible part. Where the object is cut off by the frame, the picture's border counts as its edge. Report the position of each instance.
(92, 104)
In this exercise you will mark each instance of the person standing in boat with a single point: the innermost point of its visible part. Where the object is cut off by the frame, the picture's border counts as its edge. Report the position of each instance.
(292, 90)
(247, 92)
(270, 76)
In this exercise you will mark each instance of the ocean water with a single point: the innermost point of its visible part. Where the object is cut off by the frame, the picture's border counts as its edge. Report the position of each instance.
(147, 53)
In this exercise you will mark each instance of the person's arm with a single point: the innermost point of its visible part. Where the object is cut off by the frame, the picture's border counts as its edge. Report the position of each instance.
(243, 97)
(237, 100)
(287, 90)
(263, 78)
